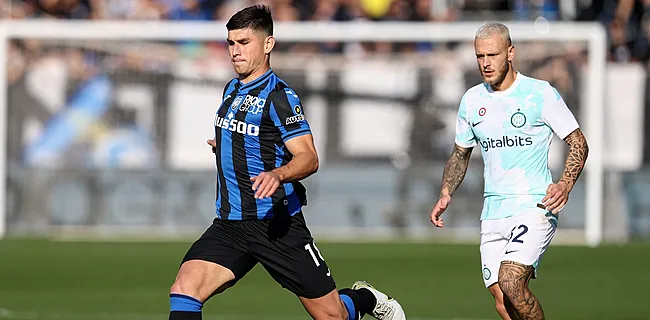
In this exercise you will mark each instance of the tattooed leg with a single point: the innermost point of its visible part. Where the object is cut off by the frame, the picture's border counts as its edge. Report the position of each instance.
(510, 309)
(504, 307)
(513, 281)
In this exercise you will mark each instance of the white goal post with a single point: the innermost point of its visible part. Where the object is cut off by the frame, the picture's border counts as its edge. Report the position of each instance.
(592, 33)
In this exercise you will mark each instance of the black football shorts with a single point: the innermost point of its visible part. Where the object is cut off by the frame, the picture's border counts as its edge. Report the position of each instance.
(284, 247)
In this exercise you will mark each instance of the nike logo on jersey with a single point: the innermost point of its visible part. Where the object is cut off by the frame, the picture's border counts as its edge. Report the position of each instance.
(511, 251)
(476, 123)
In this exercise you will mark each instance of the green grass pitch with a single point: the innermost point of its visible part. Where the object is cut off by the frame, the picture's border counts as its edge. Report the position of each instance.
(46, 280)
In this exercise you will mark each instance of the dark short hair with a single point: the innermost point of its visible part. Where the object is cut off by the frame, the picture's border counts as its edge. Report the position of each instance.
(257, 17)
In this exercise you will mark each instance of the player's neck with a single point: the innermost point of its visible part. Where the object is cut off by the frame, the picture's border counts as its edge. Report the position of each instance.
(255, 74)
(507, 82)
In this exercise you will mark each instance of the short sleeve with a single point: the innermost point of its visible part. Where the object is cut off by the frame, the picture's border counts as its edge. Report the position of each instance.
(464, 135)
(288, 115)
(557, 115)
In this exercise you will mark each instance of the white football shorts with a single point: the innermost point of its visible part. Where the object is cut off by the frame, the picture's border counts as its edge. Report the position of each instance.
(521, 238)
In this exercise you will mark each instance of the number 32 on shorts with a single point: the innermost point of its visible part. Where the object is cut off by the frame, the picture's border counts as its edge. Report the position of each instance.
(520, 230)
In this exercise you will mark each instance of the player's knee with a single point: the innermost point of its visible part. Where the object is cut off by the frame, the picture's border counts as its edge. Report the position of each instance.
(333, 312)
(336, 313)
(330, 313)
(187, 287)
(182, 287)
(511, 288)
(326, 309)
(508, 288)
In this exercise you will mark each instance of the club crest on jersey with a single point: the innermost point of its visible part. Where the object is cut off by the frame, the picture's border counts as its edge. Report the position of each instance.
(482, 111)
(518, 119)
(486, 273)
(236, 103)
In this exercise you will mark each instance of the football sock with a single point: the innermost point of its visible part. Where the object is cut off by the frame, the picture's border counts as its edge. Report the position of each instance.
(357, 302)
(184, 307)
(348, 296)
(367, 300)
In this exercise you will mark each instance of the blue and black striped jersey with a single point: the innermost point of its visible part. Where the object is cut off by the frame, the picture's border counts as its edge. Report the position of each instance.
(251, 126)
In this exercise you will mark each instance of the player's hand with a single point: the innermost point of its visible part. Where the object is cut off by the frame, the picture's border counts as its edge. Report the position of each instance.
(265, 184)
(213, 143)
(557, 195)
(438, 209)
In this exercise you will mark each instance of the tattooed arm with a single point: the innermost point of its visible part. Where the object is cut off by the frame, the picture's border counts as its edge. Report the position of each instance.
(453, 175)
(557, 194)
(455, 170)
(575, 162)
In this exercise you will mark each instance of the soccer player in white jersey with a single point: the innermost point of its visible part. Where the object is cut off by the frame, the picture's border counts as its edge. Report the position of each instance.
(512, 118)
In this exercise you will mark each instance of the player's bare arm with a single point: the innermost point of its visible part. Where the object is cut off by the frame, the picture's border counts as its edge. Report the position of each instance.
(455, 170)
(303, 164)
(557, 194)
(575, 162)
(513, 281)
(452, 176)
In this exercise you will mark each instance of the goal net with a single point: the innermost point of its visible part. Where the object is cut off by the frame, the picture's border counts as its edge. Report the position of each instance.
(105, 124)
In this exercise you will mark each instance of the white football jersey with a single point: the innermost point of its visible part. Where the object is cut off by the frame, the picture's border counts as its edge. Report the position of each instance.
(513, 128)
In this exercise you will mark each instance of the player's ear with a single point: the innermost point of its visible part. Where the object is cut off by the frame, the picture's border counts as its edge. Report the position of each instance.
(511, 53)
(269, 44)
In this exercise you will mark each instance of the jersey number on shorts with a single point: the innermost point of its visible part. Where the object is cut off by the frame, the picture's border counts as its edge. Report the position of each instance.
(308, 247)
(523, 229)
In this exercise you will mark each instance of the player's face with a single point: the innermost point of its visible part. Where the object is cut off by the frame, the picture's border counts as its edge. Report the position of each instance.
(248, 50)
(494, 56)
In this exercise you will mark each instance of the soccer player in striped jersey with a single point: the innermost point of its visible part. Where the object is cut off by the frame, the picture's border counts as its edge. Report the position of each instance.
(512, 118)
(264, 147)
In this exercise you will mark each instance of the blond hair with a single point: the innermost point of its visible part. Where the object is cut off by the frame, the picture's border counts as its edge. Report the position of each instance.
(491, 29)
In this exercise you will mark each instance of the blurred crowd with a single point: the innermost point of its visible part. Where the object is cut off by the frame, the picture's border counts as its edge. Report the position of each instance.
(624, 19)
(284, 10)
(627, 21)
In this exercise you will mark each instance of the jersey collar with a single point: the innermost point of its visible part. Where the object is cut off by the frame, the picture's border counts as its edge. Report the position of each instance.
(255, 82)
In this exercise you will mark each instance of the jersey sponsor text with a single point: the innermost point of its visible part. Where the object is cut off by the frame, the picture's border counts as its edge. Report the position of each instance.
(506, 142)
(235, 125)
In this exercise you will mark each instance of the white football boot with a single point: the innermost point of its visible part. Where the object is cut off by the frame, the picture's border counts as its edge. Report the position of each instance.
(386, 308)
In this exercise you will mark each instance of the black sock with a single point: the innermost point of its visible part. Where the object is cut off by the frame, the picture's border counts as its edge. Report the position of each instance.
(364, 301)
(184, 315)
(367, 300)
